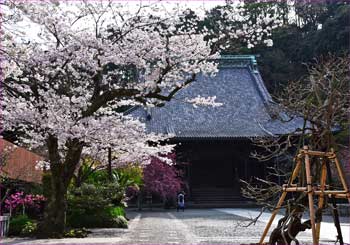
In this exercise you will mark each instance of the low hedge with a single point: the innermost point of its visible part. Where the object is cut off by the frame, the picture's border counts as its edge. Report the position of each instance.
(22, 225)
(111, 217)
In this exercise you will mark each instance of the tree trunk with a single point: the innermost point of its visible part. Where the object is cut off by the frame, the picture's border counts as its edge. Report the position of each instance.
(110, 164)
(55, 213)
(62, 173)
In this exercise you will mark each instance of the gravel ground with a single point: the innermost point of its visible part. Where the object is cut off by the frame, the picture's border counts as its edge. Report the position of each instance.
(194, 226)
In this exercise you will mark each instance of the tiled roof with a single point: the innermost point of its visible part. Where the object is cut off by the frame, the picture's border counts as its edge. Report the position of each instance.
(21, 163)
(244, 113)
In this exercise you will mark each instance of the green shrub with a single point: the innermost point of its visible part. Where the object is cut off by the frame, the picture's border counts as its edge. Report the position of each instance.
(91, 198)
(29, 229)
(17, 224)
(96, 206)
(78, 219)
(110, 217)
(129, 176)
(121, 222)
(115, 211)
(114, 193)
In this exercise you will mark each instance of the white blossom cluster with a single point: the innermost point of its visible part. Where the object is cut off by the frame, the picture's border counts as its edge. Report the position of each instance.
(235, 24)
(88, 60)
(42, 165)
(204, 101)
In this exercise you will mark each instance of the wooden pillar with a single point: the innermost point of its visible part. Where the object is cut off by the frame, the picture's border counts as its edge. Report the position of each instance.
(321, 197)
(310, 194)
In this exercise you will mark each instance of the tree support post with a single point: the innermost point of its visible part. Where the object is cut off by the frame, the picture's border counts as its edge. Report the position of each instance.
(313, 190)
(321, 198)
(281, 200)
(310, 195)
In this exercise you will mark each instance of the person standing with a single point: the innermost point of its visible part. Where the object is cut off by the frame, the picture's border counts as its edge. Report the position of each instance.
(181, 202)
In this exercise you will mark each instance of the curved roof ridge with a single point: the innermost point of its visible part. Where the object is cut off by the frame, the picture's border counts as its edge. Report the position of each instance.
(261, 86)
(250, 62)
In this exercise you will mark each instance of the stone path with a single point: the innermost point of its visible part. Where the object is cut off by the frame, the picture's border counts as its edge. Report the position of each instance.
(196, 226)
(158, 227)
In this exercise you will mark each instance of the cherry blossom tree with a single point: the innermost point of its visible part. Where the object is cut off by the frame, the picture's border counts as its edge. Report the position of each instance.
(68, 81)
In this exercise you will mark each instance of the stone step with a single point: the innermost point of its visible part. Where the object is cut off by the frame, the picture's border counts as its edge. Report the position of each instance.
(214, 191)
(245, 204)
(223, 196)
(216, 194)
(216, 199)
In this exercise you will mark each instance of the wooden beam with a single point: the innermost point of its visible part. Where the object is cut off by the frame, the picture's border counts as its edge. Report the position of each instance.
(316, 153)
(295, 189)
(343, 196)
(330, 192)
(316, 192)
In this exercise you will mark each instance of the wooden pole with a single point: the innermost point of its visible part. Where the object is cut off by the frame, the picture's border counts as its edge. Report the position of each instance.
(334, 205)
(310, 195)
(296, 171)
(281, 200)
(341, 174)
(321, 198)
(273, 215)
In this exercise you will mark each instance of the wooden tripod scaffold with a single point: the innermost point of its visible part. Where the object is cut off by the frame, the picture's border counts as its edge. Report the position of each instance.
(322, 190)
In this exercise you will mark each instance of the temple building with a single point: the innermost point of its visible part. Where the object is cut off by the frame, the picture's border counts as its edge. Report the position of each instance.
(216, 142)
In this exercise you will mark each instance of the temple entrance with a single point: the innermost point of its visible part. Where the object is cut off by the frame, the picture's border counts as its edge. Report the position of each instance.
(214, 170)
(218, 173)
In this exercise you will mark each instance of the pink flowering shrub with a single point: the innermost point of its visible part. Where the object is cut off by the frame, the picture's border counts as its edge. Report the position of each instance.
(161, 178)
(20, 200)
